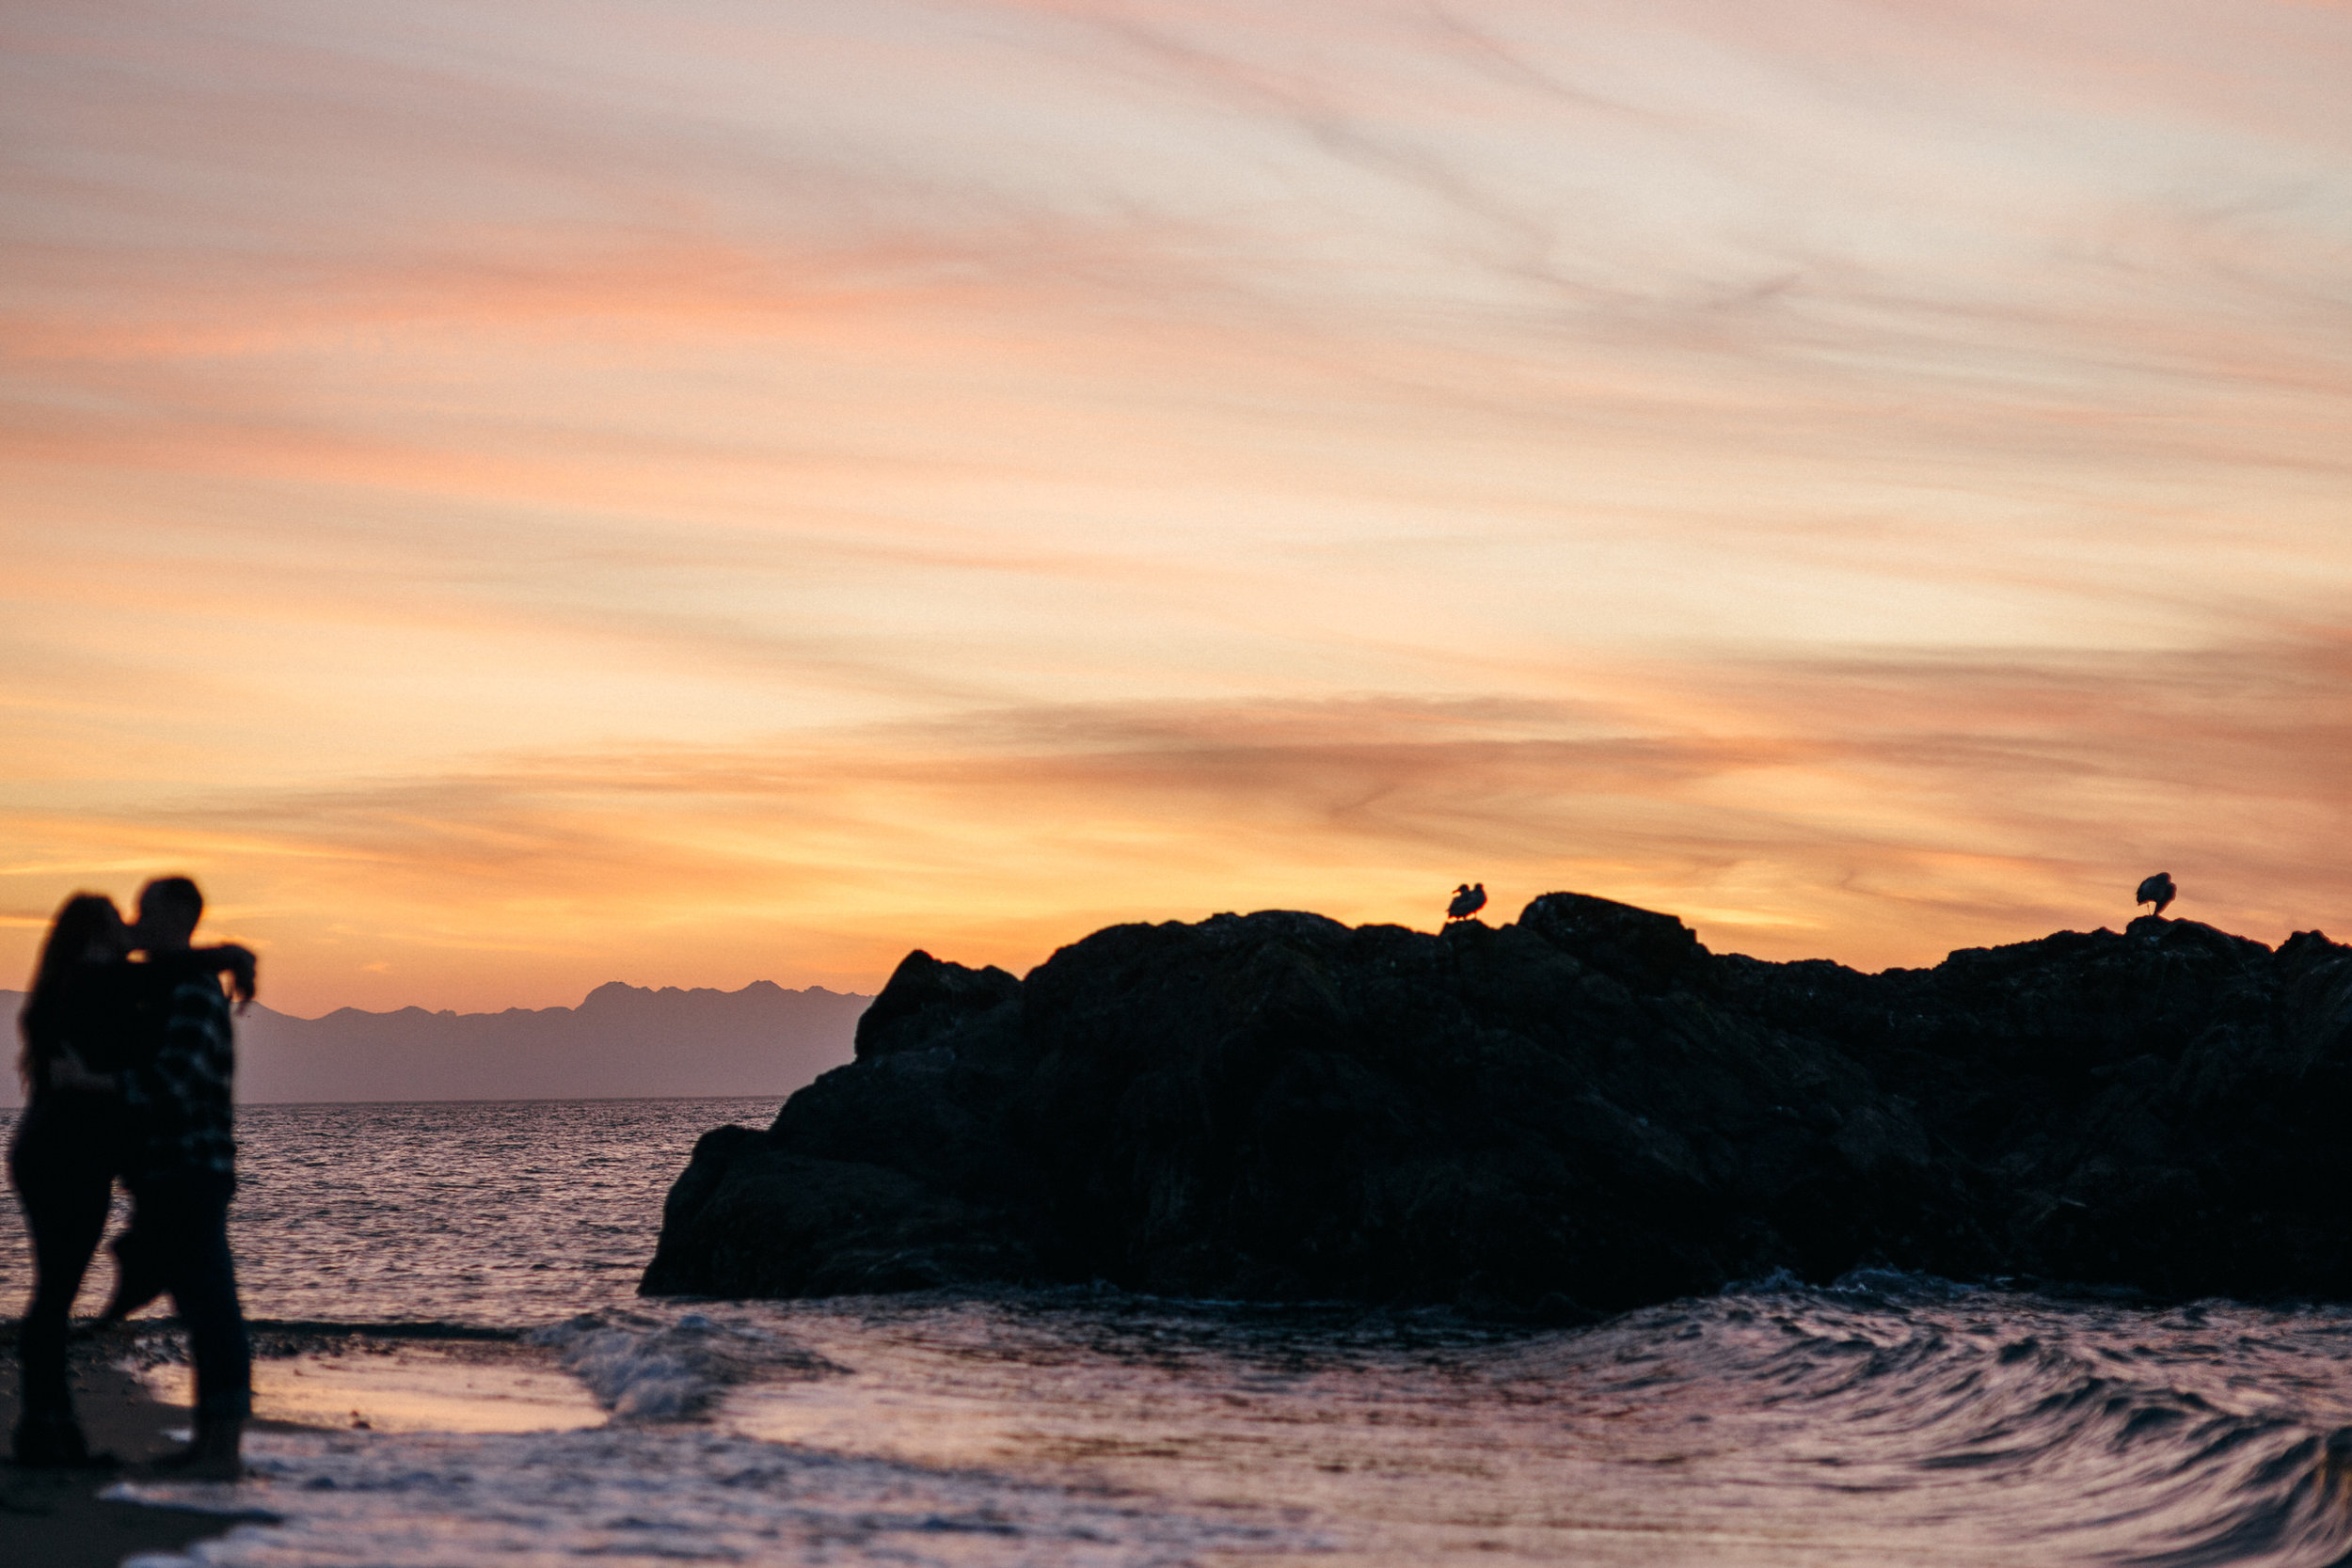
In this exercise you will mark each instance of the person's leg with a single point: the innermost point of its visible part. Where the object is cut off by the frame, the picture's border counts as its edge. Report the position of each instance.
(206, 1296)
(190, 1235)
(64, 1182)
(138, 1270)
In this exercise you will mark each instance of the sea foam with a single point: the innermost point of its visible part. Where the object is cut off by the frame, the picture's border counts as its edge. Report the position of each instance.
(645, 1368)
(663, 1494)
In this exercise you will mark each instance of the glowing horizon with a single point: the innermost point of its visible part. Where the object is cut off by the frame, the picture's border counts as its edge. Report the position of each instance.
(513, 499)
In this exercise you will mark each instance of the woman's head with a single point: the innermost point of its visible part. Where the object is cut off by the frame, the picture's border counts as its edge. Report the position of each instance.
(87, 929)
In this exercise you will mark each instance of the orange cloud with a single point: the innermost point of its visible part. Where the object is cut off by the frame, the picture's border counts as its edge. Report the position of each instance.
(1875, 811)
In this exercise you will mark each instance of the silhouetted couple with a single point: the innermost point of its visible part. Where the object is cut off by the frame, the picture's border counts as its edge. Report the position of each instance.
(127, 1061)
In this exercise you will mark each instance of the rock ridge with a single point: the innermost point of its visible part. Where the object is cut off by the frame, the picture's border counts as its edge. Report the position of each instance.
(1578, 1112)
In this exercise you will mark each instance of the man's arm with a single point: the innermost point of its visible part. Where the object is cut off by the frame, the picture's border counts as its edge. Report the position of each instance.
(238, 963)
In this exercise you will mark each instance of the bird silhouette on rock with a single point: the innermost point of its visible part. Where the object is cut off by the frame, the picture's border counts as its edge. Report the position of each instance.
(1467, 901)
(2157, 890)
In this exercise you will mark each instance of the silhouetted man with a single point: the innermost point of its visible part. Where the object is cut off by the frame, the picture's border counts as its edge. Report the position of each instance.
(181, 1166)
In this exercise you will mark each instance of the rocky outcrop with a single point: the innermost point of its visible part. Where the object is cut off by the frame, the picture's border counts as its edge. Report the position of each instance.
(1575, 1113)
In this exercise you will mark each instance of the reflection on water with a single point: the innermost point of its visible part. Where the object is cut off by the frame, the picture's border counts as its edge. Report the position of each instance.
(1908, 1423)
(488, 1212)
(408, 1388)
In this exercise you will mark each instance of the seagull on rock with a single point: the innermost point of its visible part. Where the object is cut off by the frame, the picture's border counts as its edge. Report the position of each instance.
(2157, 890)
(1467, 901)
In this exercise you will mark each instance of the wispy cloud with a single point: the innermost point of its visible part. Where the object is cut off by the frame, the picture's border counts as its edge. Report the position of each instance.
(1870, 475)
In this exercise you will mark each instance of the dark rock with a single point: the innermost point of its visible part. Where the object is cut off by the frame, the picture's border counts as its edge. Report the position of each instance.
(924, 999)
(1575, 1113)
(773, 1224)
(1641, 948)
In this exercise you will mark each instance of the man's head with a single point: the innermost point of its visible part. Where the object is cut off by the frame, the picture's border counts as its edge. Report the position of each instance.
(170, 906)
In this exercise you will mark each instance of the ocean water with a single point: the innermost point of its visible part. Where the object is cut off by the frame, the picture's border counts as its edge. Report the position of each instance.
(487, 1214)
(1885, 1419)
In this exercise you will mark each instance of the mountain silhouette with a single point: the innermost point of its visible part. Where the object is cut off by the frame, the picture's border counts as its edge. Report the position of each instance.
(622, 1042)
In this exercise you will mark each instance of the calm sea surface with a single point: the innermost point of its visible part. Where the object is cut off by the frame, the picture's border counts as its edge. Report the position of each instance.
(489, 1213)
(1888, 1419)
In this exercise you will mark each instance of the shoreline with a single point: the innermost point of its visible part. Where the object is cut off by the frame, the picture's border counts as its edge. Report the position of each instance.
(55, 1518)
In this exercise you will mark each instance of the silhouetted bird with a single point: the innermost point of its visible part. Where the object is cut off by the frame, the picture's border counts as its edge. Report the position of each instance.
(2157, 890)
(1467, 901)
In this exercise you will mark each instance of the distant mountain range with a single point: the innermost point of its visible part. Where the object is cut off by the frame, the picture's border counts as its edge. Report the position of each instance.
(623, 1042)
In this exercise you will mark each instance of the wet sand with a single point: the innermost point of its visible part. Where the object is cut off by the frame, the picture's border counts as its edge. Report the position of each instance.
(55, 1518)
(131, 1391)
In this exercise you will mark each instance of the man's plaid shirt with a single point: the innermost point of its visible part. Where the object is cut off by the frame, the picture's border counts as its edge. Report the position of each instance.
(181, 1112)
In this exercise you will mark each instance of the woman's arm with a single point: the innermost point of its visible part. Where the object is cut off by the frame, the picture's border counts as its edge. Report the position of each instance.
(82, 1019)
(66, 1071)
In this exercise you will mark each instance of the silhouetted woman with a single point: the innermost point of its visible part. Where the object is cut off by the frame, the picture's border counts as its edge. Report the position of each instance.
(68, 1145)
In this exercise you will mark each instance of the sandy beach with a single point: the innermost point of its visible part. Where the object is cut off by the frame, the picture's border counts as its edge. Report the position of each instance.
(55, 1518)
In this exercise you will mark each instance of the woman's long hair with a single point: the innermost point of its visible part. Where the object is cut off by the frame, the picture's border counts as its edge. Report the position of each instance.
(83, 919)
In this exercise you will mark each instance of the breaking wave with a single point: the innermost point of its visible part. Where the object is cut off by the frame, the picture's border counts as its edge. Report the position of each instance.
(2090, 1431)
(643, 1367)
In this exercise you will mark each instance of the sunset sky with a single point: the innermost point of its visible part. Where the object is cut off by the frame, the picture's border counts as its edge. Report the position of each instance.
(514, 496)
